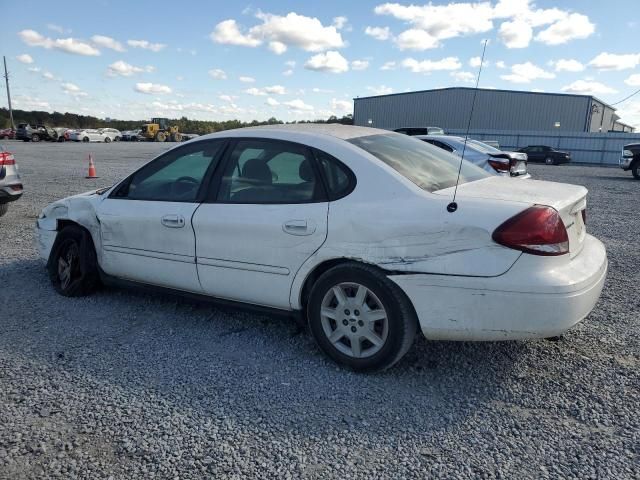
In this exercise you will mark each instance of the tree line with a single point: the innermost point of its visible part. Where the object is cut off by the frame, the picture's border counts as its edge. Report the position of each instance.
(201, 127)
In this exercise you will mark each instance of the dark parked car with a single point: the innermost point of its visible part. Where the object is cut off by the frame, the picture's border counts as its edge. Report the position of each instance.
(7, 133)
(34, 134)
(630, 159)
(420, 131)
(548, 155)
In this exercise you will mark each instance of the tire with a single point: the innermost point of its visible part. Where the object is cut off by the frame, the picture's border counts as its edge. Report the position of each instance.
(549, 161)
(176, 137)
(393, 322)
(3, 208)
(635, 169)
(107, 139)
(160, 137)
(74, 247)
(35, 137)
(61, 138)
(85, 139)
(116, 139)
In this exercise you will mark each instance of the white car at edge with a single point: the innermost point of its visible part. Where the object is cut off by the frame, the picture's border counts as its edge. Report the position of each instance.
(345, 225)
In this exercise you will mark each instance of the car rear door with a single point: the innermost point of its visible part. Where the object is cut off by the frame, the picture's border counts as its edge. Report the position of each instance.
(146, 221)
(267, 215)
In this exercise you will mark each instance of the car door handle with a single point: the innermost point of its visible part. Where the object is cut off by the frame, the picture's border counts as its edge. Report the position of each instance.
(173, 221)
(298, 227)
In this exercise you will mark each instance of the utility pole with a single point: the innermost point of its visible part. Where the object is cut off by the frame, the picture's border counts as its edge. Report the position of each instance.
(6, 79)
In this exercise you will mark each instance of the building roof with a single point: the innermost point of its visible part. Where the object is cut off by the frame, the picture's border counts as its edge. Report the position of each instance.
(488, 90)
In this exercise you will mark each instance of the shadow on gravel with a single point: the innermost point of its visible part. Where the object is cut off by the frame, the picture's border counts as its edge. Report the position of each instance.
(211, 361)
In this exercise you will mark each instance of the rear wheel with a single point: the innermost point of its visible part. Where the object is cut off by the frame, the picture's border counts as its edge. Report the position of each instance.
(549, 161)
(85, 139)
(176, 137)
(35, 137)
(359, 318)
(160, 137)
(117, 139)
(107, 139)
(72, 265)
(635, 169)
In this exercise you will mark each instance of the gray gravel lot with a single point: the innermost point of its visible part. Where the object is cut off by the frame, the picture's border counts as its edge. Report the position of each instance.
(131, 385)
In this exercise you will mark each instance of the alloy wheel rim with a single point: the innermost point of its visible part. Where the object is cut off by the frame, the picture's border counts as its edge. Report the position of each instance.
(354, 320)
(68, 265)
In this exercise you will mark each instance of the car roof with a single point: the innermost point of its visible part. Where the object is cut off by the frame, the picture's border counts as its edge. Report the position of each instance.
(442, 137)
(336, 130)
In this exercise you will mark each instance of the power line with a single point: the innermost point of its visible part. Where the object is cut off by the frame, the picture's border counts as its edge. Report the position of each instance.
(626, 98)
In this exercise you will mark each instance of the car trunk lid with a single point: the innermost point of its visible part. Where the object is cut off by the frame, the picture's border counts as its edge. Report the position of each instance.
(569, 200)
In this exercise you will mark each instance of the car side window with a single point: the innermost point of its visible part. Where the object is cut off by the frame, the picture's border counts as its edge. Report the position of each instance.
(340, 181)
(175, 176)
(269, 171)
(443, 146)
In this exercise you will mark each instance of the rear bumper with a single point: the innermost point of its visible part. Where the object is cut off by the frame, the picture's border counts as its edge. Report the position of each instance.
(534, 299)
(8, 195)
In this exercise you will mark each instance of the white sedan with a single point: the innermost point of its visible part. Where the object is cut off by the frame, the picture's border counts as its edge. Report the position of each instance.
(346, 226)
(111, 134)
(89, 135)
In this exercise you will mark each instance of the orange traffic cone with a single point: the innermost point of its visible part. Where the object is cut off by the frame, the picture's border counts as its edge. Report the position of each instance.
(92, 169)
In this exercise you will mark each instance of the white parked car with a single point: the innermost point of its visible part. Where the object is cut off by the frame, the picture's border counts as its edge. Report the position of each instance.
(345, 225)
(111, 134)
(87, 135)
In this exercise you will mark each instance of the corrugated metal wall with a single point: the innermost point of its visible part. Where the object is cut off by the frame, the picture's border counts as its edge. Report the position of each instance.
(594, 148)
(495, 110)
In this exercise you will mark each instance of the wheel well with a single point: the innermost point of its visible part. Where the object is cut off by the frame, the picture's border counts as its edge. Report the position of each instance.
(315, 274)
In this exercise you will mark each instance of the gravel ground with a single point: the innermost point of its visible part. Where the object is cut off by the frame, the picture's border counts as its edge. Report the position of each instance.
(130, 385)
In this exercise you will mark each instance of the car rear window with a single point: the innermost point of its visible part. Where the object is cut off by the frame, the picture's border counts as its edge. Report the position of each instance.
(429, 167)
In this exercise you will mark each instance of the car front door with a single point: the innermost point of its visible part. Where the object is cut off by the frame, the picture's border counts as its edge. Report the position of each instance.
(146, 221)
(268, 215)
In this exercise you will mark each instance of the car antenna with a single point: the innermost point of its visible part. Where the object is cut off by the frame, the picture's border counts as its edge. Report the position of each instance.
(453, 206)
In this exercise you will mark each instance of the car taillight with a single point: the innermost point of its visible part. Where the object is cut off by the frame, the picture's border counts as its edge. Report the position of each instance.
(6, 159)
(500, 166)
(538, 230)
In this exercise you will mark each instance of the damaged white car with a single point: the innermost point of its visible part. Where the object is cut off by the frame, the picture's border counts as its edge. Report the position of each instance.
(347, 226)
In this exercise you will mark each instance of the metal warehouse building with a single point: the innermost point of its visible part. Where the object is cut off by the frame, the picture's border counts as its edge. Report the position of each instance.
(494, 110)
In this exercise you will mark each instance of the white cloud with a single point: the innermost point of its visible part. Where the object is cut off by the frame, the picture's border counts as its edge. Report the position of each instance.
(298, 105)
(26, 102)
(276, 89)
(125, 69)
(633, 80)
(426, 66)
(25, 58)
(388, 66)
(573, 26)
(69, 45)
(475, 62)
(630, 113)
(272, 102)
(34, 69)
(56, 28)
(613, 61)
(227, 98)
(359, 64)
(281, 32)
(255, 92)
(588, 87)
(380, 90)
(500, 64)
(218, 74)
(568, 65)
(146, 45)
(526, 72)
(466, 77)
(108, 42)
(287, 72)
(515, 34)
(330, 61)
(73, 89)
(290, 63)
(416, 39)
(247, 79)
(339, 22)
(379, 33)
(341, 105)
(48, 76)
(152, 88)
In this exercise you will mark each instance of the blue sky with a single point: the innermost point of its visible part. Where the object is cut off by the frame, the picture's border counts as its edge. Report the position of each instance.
(300, 60)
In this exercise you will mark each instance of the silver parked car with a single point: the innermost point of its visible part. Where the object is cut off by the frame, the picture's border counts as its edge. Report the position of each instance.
(10, 183)
(491, 159)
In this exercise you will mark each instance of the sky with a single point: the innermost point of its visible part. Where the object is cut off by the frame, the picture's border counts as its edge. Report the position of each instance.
(211, 60)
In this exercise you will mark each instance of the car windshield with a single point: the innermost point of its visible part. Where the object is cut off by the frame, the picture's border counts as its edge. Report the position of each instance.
(483, 147)
(429, 167)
